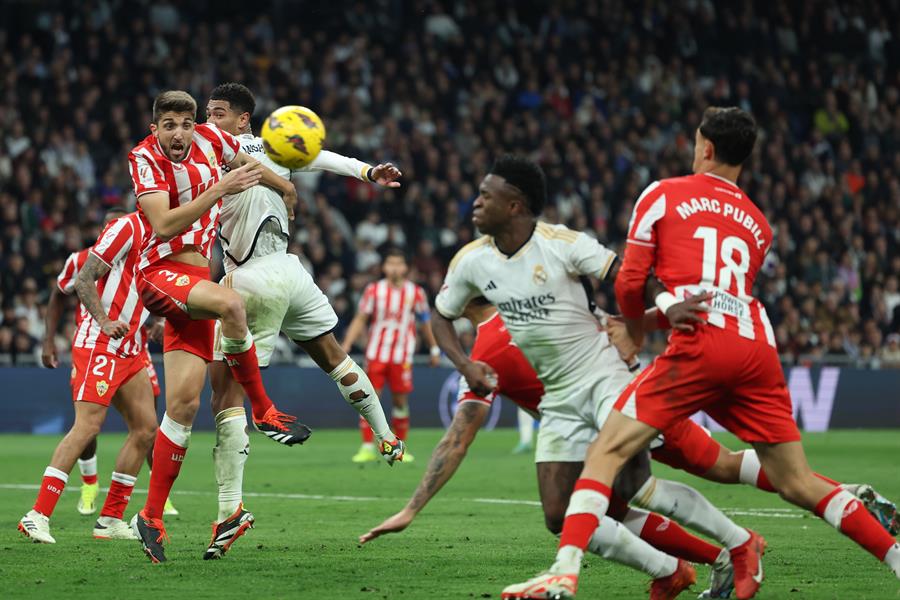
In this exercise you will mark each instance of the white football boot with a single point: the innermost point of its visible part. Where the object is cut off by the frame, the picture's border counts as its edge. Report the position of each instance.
(37, 527)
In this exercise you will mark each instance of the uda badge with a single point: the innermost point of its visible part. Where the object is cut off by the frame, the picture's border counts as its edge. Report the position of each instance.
(539, 276)
(102, 387)
(182, 281)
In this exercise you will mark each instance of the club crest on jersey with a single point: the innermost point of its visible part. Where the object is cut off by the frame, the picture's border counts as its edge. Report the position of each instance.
(182, 281)
(102, 387)
(539, 276)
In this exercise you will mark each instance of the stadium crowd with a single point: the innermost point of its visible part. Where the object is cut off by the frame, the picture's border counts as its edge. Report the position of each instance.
(605, 94)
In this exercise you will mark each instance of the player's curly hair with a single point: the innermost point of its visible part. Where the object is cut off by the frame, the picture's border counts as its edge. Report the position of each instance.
(732, 131)
(237, 95)
(526, 176)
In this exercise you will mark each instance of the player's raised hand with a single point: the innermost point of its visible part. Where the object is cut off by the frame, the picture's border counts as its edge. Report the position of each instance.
(48, 353)
(114, 329)
(684, 314)
(242, 178)
(393, 524)
(482, 379)
(386, 174)
(619, 337)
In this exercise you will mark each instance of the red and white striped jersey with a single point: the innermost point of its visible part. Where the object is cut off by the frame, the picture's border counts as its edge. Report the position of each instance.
(699, 233)
(65, 281)
(151, 171)
(392, 334)
(119, 246)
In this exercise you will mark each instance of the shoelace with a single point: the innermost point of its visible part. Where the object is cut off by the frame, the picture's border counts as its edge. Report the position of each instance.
(158, 525)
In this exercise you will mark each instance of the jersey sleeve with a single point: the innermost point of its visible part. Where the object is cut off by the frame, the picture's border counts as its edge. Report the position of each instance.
(225, 145)
(146, 177)
(457, 290)
(649, 208)
(115, 241)
(640, 251)
(587, 256)
(339, 164)
(420, 305)
(65, 281)
(367, 302)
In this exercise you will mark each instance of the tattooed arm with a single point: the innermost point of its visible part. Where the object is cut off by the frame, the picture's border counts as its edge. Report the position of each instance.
(86, 288)
(445, 459)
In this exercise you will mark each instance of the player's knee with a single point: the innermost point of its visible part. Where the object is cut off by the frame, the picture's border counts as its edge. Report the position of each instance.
(145, 435)
(232, 308)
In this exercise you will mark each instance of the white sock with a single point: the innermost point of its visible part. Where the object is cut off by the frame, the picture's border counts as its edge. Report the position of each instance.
(526, 426)
(614, 541)
(568, 560)
(229, 455)
(750, 468)
(178, 434)
(88, 467)
(689, 507)
(236, 345)
(357, 390)
(892, 559)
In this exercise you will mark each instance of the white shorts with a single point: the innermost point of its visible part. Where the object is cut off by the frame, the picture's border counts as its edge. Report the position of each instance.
(571, 419)
(279, 295)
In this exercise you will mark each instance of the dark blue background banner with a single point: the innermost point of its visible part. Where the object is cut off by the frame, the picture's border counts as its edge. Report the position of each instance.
(39, 401)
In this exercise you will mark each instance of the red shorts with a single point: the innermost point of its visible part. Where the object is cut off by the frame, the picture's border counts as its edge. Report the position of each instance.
(151, 372)
(688, 447)
(97, 375)
(737, 381)
(398, 376)
(164, 288)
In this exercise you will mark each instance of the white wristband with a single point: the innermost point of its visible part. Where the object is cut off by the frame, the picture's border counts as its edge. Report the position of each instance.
(435, 351)
(665, 300)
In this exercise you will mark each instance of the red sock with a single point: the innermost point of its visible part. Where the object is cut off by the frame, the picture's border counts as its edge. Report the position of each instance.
(584, 519)
(245, 370)
(400, 426)
(845, 513)
(167, 459)
(89, 479)
(670, 537)
(367, 436)
(52, 486)
(120, 489)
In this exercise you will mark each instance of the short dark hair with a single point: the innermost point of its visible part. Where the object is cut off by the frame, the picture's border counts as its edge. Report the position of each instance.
(116, 210)
(391, 251)
(526, 176)
(173, 101)
(237, 95)
(732, 131)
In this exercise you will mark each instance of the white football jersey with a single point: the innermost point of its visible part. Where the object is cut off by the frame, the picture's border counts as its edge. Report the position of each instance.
(541, 296)
(255, 222)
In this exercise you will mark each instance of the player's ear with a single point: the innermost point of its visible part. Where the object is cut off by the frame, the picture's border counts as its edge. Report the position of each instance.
(153, 128)
(709, 150)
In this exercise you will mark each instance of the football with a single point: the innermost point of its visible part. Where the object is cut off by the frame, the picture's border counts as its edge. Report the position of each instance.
(293, 136)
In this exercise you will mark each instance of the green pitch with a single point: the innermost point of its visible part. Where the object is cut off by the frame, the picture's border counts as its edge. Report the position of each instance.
(311, 503)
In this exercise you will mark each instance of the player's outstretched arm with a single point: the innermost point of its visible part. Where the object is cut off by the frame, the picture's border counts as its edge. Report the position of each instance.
(445, 460)
(384, 174)
(169, 222)
(51, 323)
(270, 179)
(86, 288)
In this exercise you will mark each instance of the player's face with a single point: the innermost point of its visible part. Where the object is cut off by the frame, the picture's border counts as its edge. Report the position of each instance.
(220, 114)
(175, 131)
(493, 206)
(395, 268)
